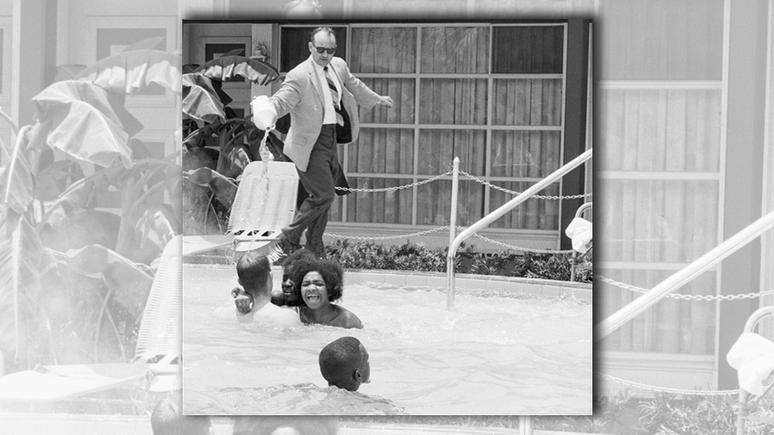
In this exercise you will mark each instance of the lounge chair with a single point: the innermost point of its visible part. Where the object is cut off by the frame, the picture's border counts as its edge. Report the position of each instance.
(753, 357)
(153, 366)
(265, 202)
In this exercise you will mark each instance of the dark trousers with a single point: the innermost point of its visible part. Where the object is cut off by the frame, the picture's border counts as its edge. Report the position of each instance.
(319, 182)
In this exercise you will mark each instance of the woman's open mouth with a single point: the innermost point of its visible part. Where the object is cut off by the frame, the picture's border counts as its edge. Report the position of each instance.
(313, 296)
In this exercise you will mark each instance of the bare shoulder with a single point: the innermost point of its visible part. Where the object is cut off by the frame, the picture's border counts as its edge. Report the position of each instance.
(278, 315)
(347, 319)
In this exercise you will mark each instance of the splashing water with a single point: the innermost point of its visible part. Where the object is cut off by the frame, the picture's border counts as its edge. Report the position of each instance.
(493, 355)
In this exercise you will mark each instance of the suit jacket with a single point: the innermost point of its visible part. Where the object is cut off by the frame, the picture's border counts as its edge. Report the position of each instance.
(301, 95)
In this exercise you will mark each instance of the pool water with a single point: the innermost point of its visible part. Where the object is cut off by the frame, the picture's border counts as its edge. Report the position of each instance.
(490, 355)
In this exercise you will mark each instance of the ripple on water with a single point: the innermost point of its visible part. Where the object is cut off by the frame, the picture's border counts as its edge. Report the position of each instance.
(489, 355)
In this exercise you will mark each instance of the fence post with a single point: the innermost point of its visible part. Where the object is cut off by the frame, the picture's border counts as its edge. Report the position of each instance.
(452, 230)
(454, 190)
(525, 425)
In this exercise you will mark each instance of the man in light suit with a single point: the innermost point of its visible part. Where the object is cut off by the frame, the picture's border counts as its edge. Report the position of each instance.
(314, 93)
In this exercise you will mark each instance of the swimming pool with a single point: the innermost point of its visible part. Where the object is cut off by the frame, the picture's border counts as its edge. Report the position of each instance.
(492, 354)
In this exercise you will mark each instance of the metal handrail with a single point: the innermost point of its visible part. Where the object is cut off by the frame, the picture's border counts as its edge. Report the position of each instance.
(496, 214)
(757, 316)
(582, 209)
(682, 277)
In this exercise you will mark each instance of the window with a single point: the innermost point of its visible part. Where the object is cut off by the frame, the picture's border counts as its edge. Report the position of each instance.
(661, 96)
(491, 95)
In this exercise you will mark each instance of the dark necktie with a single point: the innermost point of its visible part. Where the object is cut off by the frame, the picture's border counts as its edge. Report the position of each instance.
(334, 97)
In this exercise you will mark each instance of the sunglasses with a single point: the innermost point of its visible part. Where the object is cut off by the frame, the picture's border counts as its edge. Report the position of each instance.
(322, 50)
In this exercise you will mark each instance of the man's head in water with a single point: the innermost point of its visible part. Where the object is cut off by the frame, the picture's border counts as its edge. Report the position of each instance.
(344, 363)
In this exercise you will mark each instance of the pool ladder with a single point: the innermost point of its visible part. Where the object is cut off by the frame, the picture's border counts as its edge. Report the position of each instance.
(455, 243)
(525, 421)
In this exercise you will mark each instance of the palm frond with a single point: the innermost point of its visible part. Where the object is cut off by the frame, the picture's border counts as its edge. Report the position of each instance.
(23, 325)
(16, 177)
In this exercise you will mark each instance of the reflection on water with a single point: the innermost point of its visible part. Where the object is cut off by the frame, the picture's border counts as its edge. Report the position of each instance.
(488, 356)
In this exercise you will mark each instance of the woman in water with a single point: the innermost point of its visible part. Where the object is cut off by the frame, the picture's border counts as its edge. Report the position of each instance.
(320, 284)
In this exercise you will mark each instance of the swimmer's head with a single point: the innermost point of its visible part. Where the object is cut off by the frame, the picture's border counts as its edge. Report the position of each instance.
(254, 272)
(167, 419)
(344, 363)
(291, 293)
(285, 425)
(330, 271)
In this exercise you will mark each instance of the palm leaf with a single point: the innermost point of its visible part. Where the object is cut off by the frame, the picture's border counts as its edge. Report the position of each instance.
(56, 178)
(23, 261)
(131, 72)
(226, 68)
(7, 119)
(128, 282)
(83, 193)
(157, 225)
(200, 99)
(16, 178)
(223, 188)
(76, 117)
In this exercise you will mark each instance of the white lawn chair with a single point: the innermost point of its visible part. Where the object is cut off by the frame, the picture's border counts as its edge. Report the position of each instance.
(159, 337)
(580, 232)
(265, 202)
(753, 357)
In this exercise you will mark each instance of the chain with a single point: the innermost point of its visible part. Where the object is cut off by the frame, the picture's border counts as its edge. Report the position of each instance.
(421, 233)
(392, 189)
(517, 248)
(459, 229)
(513, 192)
(667, 390)
(687, 297)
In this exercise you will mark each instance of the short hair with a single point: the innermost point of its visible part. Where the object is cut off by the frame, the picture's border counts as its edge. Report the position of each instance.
(304, 425)
(325, 29)
(331, 272)
(313, 8)
(339, 358)
(167, 419)
(253, 269)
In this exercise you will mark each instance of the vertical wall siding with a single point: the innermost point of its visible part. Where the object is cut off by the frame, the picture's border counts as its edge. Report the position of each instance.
(675, 130)
(527, 102)
(671, 326)
(651, 140)
(659, 221)
(662, 40)
(383, 50)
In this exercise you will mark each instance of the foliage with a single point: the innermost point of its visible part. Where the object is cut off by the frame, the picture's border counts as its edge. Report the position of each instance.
(74, 279)
(664, 414)
(218, 144)
(416, 257)
(713, 415)
(608, 412)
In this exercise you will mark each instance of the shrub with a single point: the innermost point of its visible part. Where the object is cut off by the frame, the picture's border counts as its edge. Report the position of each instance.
(607, 417)
(711, 415)
(416, 257)
(665, 414)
